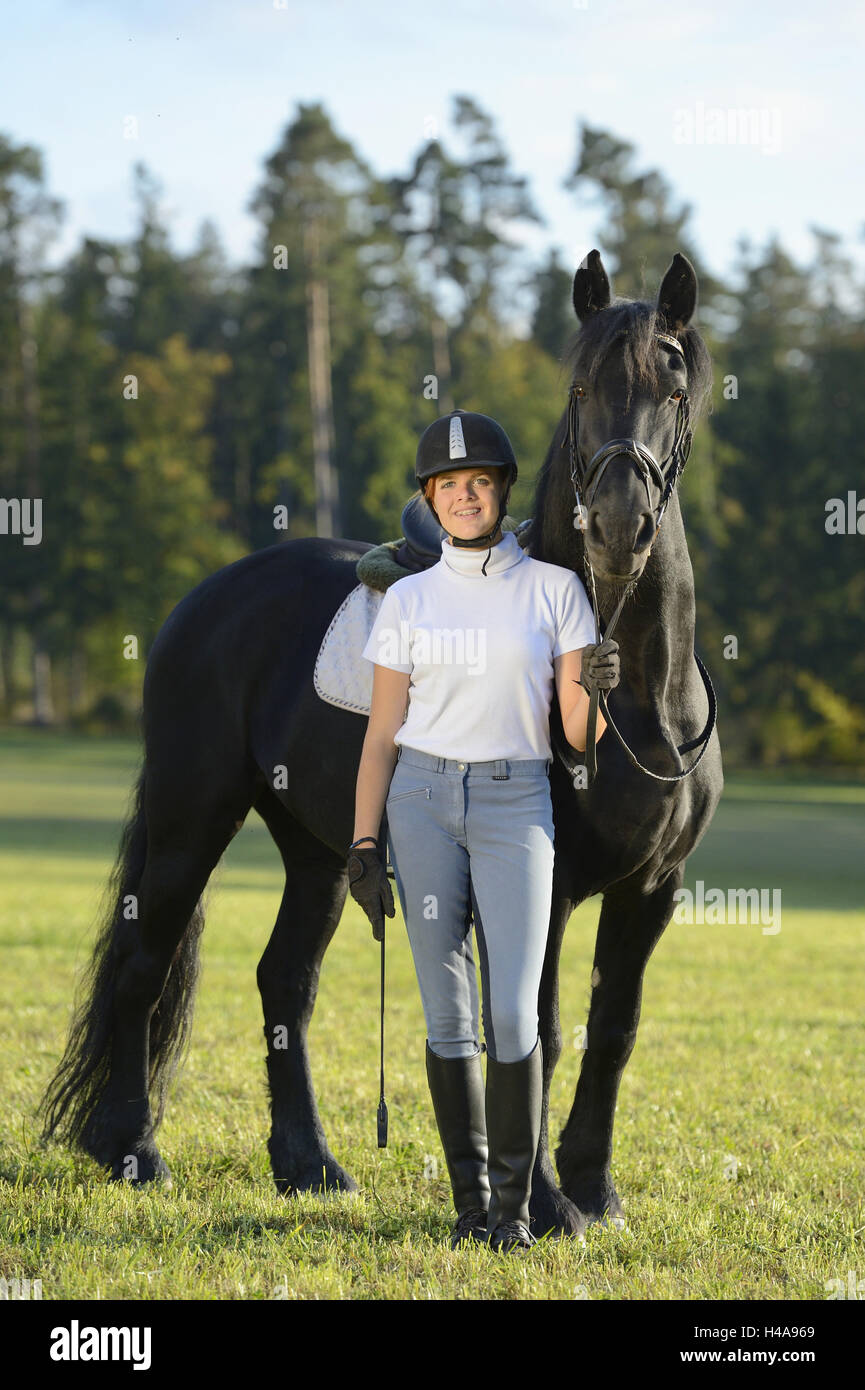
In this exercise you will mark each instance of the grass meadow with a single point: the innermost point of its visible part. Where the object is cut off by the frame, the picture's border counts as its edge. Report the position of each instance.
(738, 1147)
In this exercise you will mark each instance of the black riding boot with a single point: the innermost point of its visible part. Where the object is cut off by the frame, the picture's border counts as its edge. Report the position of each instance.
(457, 1088)
(514, 1093)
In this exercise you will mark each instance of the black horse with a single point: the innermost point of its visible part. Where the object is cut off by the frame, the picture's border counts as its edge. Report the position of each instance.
(231, 720)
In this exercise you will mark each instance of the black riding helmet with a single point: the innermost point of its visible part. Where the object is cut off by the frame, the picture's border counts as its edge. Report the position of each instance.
(465, 439)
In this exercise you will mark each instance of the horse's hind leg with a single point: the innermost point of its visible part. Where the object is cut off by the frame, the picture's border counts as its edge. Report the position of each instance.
(154, 969)
(312, 903)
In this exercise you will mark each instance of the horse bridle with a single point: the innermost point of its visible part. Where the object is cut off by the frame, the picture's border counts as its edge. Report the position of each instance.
(585, 481)
(588, 479)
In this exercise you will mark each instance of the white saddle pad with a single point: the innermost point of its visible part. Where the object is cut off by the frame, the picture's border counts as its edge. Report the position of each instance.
(341, 676)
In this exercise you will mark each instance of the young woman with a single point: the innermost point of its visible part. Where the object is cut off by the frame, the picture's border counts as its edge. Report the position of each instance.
(458, 752)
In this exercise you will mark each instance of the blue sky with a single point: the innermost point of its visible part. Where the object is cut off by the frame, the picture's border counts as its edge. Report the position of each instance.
(212, 83)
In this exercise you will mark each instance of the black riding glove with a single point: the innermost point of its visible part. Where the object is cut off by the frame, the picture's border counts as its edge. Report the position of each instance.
(370, 887)
(600, 666)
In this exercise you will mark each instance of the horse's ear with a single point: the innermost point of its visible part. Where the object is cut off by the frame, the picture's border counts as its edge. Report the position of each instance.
(591, 287)
(677, 297)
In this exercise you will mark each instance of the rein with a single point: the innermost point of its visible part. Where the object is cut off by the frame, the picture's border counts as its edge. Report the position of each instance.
(585, 483)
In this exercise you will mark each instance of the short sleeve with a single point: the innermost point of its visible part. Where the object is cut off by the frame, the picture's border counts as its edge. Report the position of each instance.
(388, 641)
(576, 625)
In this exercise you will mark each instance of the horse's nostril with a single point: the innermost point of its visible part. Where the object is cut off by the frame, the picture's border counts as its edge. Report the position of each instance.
(595, 531)
(645, 533)
(636, 540)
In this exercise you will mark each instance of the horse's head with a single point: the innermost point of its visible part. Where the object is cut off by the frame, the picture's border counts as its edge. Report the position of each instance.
(640, 377)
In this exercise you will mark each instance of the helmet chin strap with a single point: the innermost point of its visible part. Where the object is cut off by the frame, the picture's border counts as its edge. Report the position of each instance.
(478, 542)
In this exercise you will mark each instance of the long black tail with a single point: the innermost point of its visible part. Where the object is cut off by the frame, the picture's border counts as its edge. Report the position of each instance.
(70, 1107)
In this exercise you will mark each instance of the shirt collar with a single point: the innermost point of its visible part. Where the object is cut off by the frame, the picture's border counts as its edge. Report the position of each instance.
(470, 559)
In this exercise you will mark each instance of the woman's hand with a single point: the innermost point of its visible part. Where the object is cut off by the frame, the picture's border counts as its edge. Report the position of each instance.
(367, 867)
(370, 887)
(600, 666)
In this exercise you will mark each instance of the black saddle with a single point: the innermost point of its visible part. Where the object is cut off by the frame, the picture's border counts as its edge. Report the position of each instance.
(422, 536)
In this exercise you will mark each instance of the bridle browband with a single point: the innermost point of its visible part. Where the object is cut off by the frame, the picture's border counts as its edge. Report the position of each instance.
(585, 481)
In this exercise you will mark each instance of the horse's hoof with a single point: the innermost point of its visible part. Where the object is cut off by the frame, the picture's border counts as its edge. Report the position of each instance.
(137, 1169)
(611, 1223)
(326, 1180)
(599, 1202)
(553, 1213)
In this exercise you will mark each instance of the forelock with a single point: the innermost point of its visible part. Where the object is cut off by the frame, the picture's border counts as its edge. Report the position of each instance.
(631, 325)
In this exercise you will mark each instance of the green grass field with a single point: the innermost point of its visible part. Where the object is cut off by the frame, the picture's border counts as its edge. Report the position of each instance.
(738, 1139)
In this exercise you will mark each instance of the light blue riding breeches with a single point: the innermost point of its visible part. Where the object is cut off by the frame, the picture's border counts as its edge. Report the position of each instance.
(474, 838)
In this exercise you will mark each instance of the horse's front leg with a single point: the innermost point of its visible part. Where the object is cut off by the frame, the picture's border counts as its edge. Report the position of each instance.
(288, 974)
(550, 1209)
(630, 926)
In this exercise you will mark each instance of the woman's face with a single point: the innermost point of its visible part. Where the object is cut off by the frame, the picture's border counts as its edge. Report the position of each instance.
(467, 500)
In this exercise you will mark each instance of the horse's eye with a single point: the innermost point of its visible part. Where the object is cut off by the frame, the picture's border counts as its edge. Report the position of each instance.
(677, 394)
(579, 391)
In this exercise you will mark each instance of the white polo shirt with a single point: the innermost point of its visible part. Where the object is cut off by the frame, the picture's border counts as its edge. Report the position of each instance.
(479, 649)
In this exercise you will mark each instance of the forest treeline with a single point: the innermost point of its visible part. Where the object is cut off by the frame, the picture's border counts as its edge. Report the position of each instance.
(172, 412)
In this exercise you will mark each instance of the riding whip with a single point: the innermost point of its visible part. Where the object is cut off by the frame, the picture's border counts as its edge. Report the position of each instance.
(381, 1114)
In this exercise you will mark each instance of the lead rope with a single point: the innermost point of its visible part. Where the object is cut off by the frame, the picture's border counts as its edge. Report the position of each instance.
(594, 698)
(580, 522)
